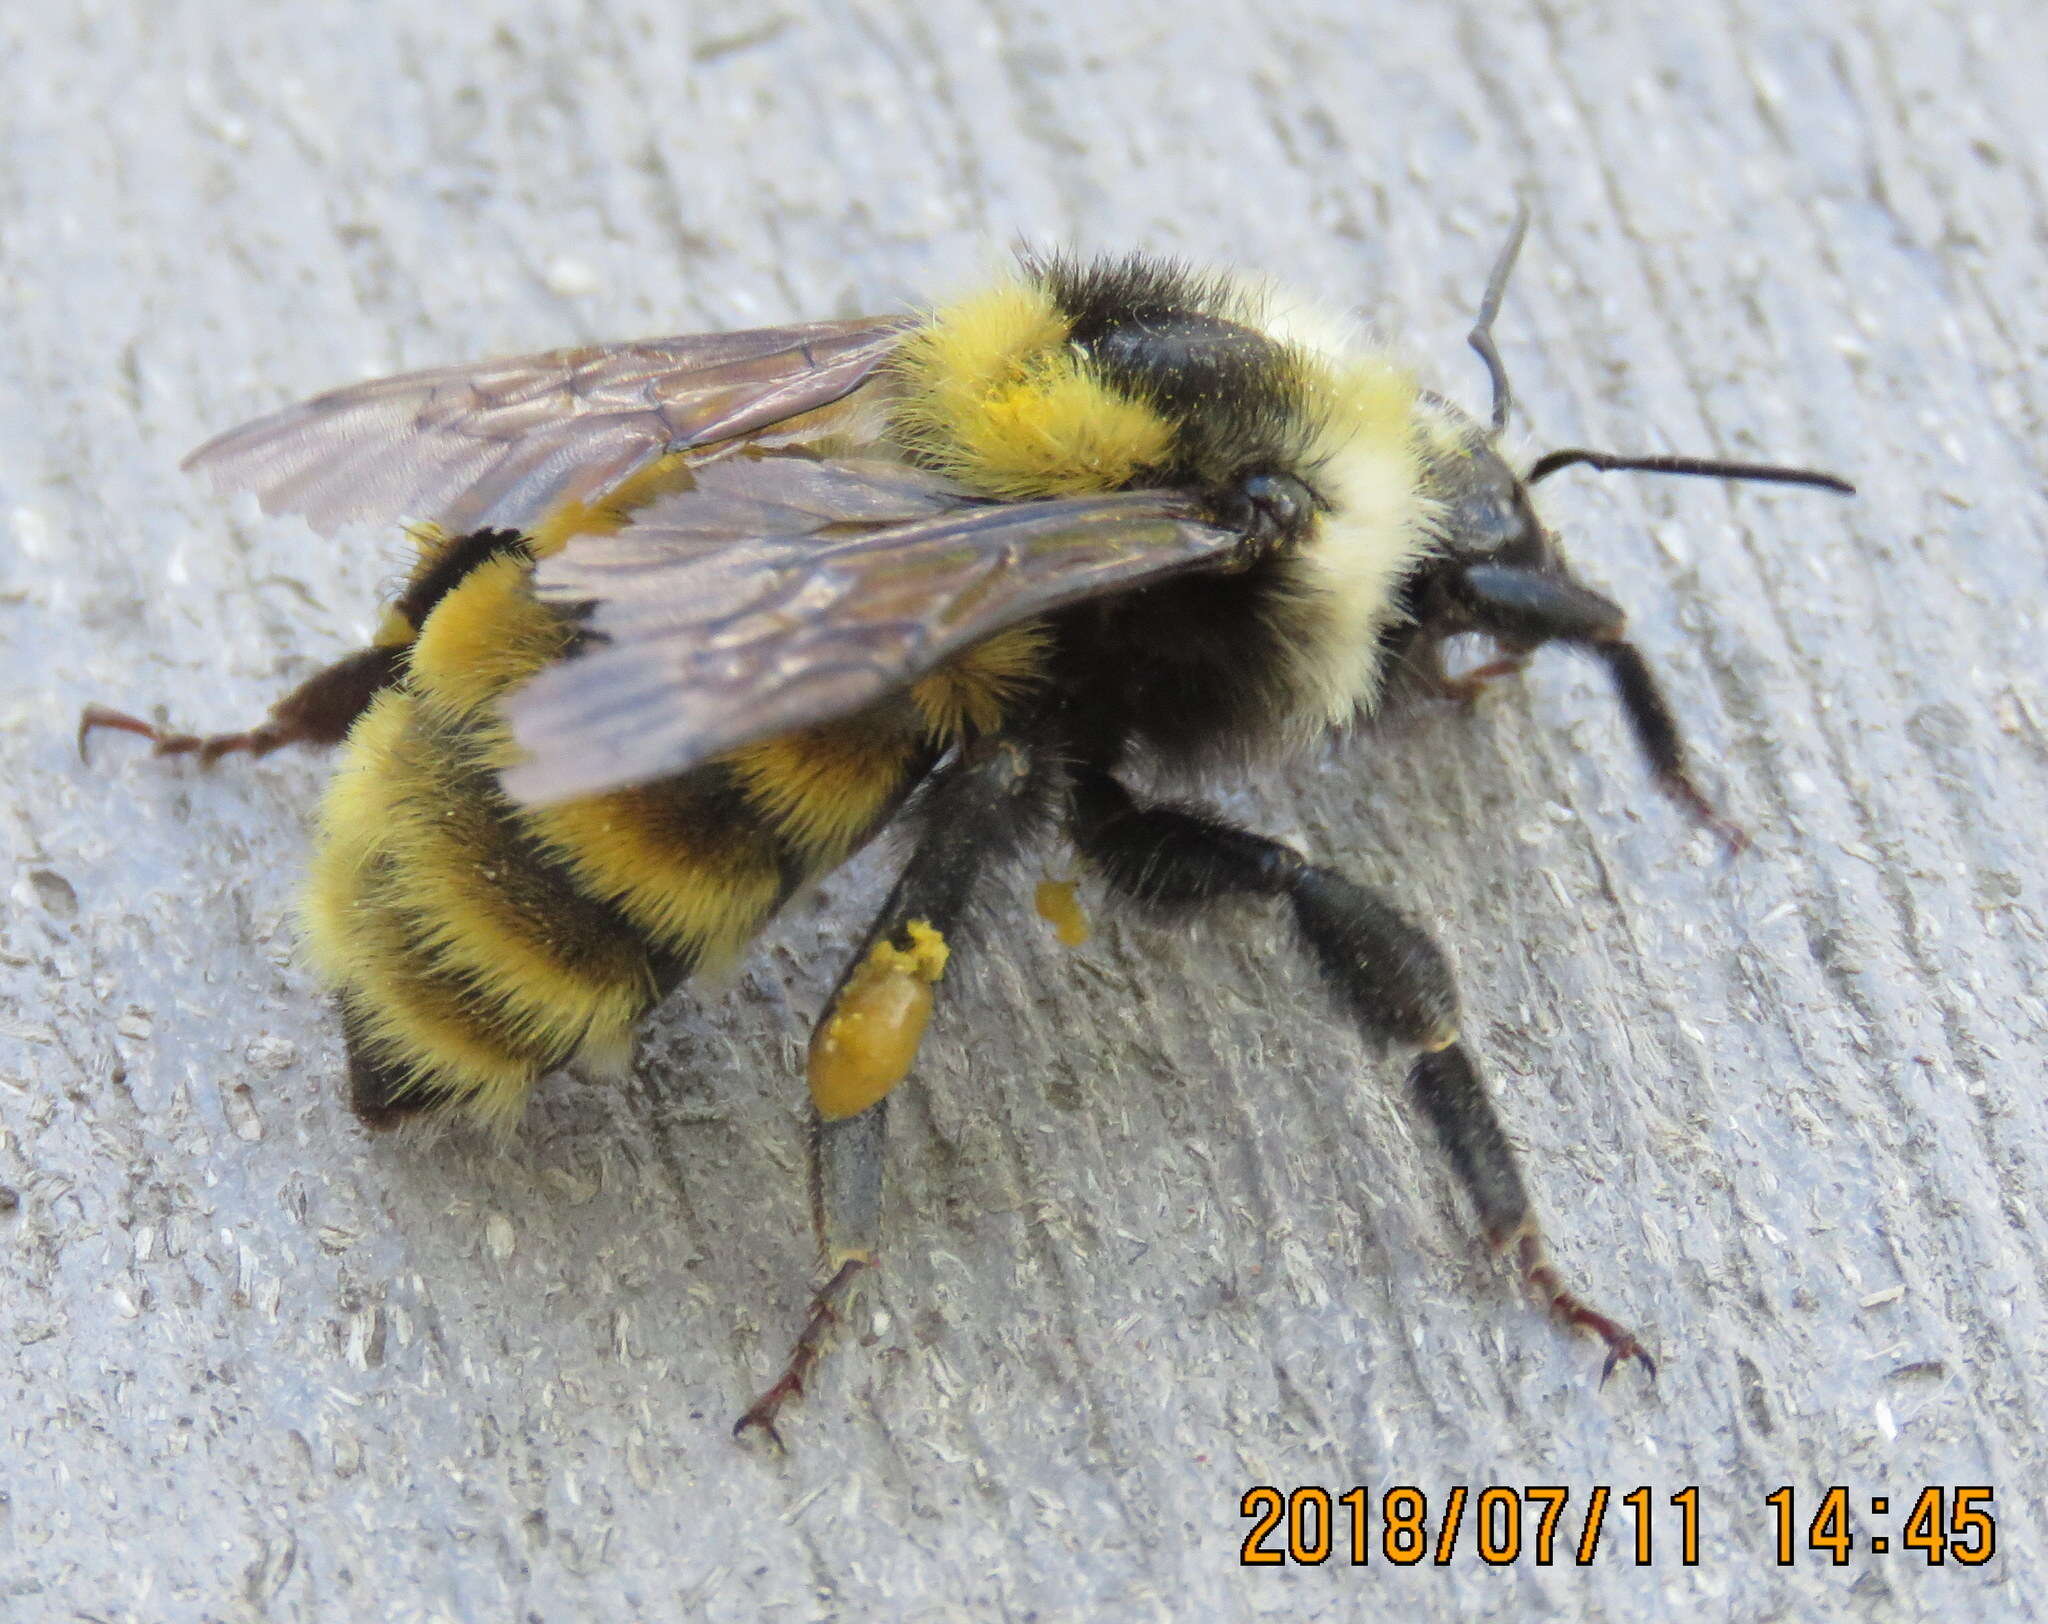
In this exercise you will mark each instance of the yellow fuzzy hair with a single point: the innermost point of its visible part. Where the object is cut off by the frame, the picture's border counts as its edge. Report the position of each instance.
(1366, 459)
(485, 637)
(1368, 466)
(994, 397)
(823, 787)
(468, 967)
(477, 944)
(973, 692)
(693, 886)
(610, 512)
(410, 1020)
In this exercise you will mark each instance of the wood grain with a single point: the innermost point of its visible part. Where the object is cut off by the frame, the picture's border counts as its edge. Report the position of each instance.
(1160, 1230)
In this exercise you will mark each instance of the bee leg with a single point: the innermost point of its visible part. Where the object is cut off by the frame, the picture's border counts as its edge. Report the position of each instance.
(320, 711)
(1447, 1087)
(976, 812)
(1465, 687)
(1525, 607)
(1383, 971)
(846, 1208)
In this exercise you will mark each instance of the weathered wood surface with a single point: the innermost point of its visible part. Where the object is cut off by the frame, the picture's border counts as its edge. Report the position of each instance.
(1160, 1230)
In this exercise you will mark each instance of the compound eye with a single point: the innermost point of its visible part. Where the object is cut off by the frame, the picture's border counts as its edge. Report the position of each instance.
(1269, 507)
(1484, 511)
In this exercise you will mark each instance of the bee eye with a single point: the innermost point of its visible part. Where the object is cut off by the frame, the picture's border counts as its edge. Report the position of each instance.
(1267, 507)
(1485, 513)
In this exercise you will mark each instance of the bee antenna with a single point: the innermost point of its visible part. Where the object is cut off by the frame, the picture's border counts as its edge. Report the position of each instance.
(1709, 467)
(1481, 338)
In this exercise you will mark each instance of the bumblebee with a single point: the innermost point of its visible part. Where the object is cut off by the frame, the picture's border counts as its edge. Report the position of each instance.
(693, 619)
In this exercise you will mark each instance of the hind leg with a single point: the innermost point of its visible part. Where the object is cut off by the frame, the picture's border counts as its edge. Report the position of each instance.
(320, 711)
(868, 1036)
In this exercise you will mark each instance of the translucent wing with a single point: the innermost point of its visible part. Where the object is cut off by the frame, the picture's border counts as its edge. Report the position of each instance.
(501, 443)
(784, 590)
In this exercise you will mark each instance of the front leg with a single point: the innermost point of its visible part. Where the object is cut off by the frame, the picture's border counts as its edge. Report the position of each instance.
(1523, 608)
(977, 812)
(1386, 974)
(1462, 687)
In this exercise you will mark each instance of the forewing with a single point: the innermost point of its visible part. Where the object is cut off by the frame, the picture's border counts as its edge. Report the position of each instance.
(783, 591)
(499, 444)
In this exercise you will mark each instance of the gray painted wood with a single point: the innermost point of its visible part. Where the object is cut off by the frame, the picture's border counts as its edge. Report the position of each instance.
(1160, 1230)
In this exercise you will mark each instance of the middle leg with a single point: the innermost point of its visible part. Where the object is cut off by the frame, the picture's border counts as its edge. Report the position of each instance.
(1383, 971)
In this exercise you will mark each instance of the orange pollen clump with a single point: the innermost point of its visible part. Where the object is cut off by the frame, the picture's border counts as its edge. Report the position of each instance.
(868, 1039)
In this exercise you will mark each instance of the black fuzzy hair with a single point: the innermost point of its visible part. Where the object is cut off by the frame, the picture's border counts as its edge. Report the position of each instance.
(1187, 342)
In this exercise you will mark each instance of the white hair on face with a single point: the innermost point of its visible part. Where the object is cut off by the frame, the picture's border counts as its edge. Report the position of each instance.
(1363, 462)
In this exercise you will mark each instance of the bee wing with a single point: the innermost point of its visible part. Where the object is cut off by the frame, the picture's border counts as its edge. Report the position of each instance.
(498, 444)
(785, 590)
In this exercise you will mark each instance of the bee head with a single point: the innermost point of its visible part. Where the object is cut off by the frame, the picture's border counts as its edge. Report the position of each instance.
(1496, 570)
(1484, 515)
(1487, 517)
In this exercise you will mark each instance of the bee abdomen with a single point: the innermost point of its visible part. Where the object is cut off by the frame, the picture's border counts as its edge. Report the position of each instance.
(468, 958)
(477, 944)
